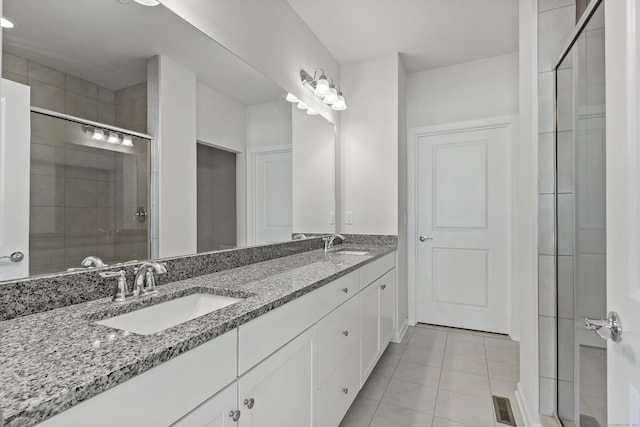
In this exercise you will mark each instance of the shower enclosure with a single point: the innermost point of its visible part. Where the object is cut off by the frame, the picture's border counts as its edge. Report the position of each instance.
(580, 226)
(89, 193)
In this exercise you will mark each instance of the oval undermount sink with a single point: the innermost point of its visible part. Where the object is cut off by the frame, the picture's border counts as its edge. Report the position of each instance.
(156, 318)
(345, 252)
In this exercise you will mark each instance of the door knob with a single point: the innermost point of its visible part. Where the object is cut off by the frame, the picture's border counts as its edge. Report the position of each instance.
(14, 257)
(606, 328)
(425, 238)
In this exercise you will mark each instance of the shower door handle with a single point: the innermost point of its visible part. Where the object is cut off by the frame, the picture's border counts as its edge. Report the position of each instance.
(606, 328)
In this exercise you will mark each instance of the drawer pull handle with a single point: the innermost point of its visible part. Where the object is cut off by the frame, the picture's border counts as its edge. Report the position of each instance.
(383, 287)
(345, 333)
(345, 290)
(345, 390)
(234, 415)
(249, 403)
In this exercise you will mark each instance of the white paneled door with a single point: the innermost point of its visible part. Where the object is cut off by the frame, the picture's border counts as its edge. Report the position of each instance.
(15, 151)
(463, 228)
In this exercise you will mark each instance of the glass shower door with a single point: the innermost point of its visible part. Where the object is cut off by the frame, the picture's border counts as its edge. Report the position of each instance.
(89, 194)
(581, 227)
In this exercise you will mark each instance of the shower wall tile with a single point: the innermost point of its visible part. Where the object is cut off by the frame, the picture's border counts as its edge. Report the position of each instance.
(131, 93)
(547, 333)
(547, 285)
(15, 77)
(47, 160)
(565, 162)
(565, 349)
(546, 163)
(14, 64)
(106, 113)
(81, 193)
(546, 101)
(565, 224)
(565, 99)
(47, 130)
(545, 5)
(45, 75)
(106, 95)
(547, 396)
(565, 287)
(81, 87)
(47, 96)
(46, 220)
(106, 194)
(565, 408)
(82, 106)
(47, 191)
(554, 27)
(546, 224)
(80, 221)
(81, 164)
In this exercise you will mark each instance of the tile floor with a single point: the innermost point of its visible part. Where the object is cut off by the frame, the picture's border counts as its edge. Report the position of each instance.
(439, 377)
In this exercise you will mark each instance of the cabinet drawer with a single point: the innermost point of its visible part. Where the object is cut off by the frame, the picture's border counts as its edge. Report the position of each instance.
(377, 268)
(337, 394)
(338, 333)
(263, 336)
(335, 293)
(163, 394)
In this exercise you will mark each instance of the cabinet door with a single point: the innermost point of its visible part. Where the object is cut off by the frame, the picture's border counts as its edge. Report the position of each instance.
(280, 390)
(387, 285)
(369, 330)
(218, 411)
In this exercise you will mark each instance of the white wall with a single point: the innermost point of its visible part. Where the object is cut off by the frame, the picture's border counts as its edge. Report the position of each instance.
(402, 285)
(268, 35)
(313, 173)
(176, 146)
(369, 146)
(463, 92)
(221, 121)
(268, 124)
(525, 236)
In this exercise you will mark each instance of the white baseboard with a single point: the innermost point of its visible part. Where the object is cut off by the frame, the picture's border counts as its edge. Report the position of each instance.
(399, 333)
(529, 421)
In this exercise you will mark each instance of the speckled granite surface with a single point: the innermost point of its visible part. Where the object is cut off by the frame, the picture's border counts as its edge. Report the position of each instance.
(51, 360)
(41, 293)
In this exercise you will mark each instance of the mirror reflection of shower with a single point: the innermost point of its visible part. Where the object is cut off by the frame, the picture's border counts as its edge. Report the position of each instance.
(89, 191)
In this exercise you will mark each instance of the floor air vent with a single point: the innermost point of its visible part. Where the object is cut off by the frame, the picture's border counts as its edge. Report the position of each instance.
(504, 414)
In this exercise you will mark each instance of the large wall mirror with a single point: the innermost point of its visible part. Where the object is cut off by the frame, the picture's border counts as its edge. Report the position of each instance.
(265, 170)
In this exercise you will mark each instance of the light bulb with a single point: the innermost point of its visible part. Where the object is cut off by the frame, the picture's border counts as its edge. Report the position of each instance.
(339, 105)
(98, 134)
(292, 98)
(312, 112)
(331, 97)
(322, 87)
(127, 141)
(302, 105)
(113, 138)
(5, 23)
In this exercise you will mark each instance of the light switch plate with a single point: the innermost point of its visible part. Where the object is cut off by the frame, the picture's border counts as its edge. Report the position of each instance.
(348, 218)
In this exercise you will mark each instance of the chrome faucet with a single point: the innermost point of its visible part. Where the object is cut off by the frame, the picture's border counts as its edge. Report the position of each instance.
(121, 290)
(328, 241)
(145, 282)
(92, 261)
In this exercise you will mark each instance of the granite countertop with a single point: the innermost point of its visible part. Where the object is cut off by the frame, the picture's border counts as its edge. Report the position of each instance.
(52, 360)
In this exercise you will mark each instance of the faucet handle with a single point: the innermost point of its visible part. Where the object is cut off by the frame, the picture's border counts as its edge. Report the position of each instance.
(121, 289)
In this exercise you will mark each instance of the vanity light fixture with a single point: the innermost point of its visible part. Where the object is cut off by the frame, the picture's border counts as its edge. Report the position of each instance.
(5, 23)
(312, 112)
(324, 88)
(111, 136)
(302, 105)
(292, 98)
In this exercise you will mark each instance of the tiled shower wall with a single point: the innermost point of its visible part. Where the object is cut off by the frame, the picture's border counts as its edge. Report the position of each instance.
(81, 196)
(556, 20)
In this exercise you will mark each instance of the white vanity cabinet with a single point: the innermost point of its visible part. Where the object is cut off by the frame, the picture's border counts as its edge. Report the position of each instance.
(219, 411)
(377, 317)
(280, 391)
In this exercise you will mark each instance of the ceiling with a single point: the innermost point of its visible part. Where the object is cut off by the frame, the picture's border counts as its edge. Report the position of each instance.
(107, 42)
(427, 33)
